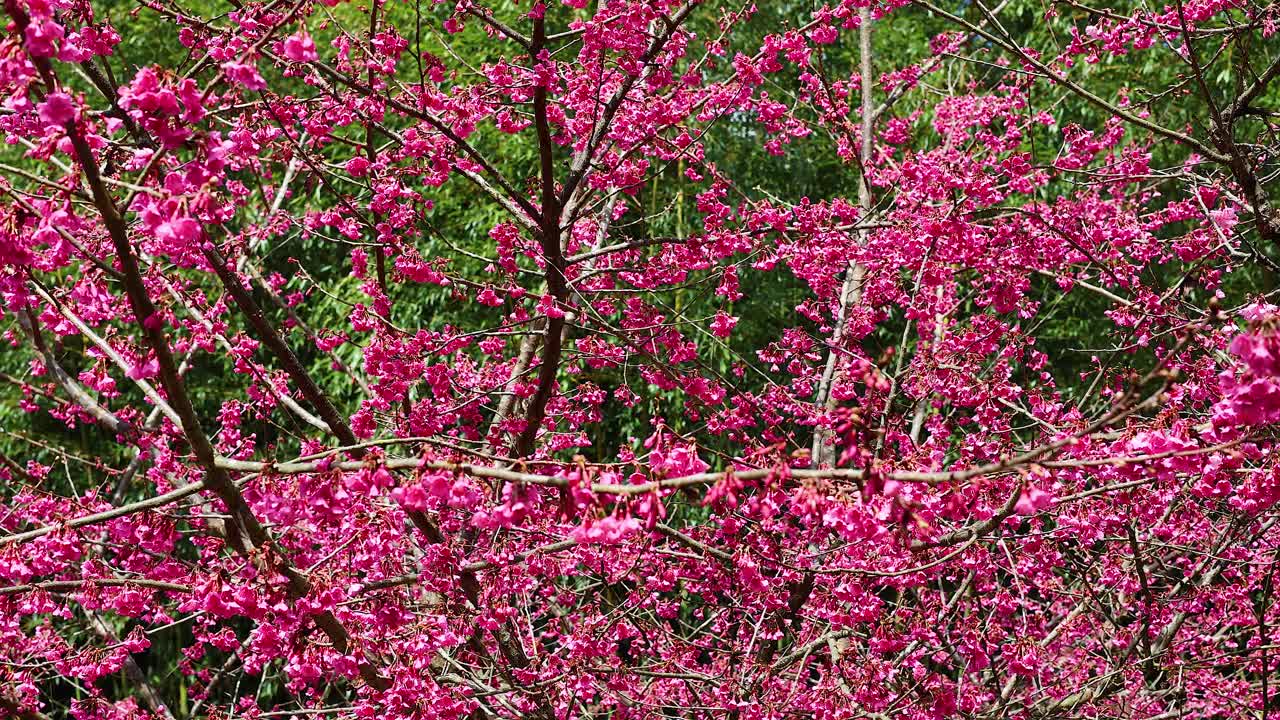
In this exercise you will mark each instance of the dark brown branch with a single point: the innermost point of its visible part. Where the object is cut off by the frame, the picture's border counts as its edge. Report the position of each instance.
(288, 360)
(553, 255)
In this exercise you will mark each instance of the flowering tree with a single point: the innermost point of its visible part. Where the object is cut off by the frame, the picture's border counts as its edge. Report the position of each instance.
(467, 360)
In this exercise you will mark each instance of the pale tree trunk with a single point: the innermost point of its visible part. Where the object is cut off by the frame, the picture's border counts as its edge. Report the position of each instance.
(823, 452)
(922, 405)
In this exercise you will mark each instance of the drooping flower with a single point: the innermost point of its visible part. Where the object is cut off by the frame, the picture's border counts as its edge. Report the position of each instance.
(299, 47)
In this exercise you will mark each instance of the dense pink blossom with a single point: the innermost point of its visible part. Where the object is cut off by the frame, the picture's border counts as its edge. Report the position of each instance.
(509, 418)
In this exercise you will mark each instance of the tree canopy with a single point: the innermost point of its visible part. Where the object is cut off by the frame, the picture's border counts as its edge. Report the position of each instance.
(639, 359)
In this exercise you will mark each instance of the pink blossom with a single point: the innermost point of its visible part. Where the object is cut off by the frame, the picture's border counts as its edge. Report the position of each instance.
(723, 325)
(548, 306)
(44, 37)
(358, 166)
(58, 109)
(1032, 501)
(299, 47)
(606, 531)
(147, 369)
(244, 74)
